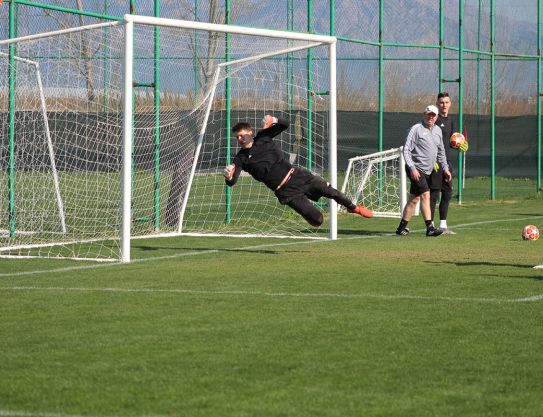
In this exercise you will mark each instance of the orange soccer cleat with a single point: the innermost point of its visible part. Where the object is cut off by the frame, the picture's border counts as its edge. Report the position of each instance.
(361, 210)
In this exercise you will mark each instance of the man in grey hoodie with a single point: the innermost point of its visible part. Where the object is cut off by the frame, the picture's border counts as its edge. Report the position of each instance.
(423, 147)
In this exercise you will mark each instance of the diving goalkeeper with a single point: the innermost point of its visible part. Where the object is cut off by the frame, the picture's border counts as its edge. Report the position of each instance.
(294, 186)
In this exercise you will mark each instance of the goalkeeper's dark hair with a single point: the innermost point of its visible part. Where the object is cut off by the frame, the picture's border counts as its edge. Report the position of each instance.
(443, 94)
(238, 127)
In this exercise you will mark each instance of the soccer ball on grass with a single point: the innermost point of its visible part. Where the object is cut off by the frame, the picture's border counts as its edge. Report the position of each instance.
(530, 232)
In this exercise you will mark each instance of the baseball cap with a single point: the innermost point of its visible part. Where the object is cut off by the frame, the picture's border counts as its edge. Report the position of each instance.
(431, 109)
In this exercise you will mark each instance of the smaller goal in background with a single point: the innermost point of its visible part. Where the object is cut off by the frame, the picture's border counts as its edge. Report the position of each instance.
(378, 181)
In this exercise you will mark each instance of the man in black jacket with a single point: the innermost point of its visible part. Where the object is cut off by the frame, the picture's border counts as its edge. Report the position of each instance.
(294, 186)
(438, 185)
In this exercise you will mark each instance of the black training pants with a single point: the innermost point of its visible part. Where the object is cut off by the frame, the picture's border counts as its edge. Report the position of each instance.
(304, 186)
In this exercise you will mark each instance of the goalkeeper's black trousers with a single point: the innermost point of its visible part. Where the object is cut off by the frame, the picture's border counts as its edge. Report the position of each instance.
(304, 186)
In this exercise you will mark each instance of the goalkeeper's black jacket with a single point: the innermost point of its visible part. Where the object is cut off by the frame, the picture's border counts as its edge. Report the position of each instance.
(447, 128)
(265, 160)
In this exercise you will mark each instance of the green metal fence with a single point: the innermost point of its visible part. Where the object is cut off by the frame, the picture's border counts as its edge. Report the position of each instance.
(393, 58)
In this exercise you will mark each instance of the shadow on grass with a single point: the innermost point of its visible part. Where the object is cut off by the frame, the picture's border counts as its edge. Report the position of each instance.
(534, 278)
(345, 232)
(188, 249)
(364, 232)
(538, 277)
(460, 263)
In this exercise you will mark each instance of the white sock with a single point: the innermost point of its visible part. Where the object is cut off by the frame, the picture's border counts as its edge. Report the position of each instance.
(443, 224)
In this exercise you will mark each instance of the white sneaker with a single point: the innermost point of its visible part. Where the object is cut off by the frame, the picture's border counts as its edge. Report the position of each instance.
(447, 231)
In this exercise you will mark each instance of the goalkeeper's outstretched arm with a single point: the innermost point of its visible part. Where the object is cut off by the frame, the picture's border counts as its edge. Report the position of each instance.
(272, 126)
(231, 174)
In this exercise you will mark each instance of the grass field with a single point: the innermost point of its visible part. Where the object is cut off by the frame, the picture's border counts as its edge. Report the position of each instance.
(369, 325)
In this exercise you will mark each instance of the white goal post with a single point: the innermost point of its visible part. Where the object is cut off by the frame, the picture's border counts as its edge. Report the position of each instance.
(378, 181)
(34, 81)
(138, 117)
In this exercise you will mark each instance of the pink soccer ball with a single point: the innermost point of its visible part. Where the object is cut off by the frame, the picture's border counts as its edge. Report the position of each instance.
(530, 232)
(457, 140)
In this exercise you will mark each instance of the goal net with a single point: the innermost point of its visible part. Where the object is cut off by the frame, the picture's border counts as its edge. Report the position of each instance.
(122, 130)
(378, 181)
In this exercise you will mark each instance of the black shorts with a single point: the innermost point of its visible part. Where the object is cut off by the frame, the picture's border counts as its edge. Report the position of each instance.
(421, 186)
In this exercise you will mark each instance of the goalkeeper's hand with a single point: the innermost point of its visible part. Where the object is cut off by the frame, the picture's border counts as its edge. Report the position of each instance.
(436, 166)
(229, 172)
(268, 120)
(464, 147)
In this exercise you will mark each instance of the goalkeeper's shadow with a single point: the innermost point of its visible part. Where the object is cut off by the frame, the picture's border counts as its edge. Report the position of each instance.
(188, 250)
(358, 232)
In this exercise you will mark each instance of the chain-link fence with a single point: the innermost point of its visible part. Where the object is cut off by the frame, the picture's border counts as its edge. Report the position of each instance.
(393, 58)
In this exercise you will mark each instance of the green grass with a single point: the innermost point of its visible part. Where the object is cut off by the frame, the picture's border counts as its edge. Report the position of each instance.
(369, 325)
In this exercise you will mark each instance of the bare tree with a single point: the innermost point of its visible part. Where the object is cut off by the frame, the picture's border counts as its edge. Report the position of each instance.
(81, 46)
(207, 56)
(85, 67)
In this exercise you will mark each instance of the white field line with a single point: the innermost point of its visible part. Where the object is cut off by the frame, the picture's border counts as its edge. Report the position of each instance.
(103, 265)
(9, 413)
(205, 252)
(13, 413)
(466, 225)
(532, 298)
(273, 294)
(456, 226)
(177, 255)
(159, 258)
